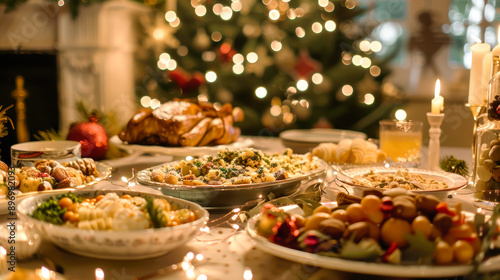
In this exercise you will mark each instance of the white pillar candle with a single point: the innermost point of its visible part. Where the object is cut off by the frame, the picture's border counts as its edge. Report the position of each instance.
(479, 50)
(437, 103)
(486, 75)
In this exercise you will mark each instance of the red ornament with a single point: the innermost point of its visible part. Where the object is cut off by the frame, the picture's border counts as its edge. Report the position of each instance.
(305, 66)
(93, 138)
(498, 110)
(186, 81)
(226, 52)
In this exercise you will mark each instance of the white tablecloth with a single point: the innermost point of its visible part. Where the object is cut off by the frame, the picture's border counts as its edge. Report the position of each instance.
(228, 254)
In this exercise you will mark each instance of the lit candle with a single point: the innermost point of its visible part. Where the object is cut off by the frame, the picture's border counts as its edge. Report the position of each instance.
(99, 274)
(438, 101)
(476, 95)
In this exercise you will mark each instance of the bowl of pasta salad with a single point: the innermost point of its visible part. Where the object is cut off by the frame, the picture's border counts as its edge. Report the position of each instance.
(113, 224)
(232, 178)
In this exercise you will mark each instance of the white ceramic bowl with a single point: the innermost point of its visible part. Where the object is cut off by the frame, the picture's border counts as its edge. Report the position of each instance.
(25, 154)
(116, 245)
(453, 181)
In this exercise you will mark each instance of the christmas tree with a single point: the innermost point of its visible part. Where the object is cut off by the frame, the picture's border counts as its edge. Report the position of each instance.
(288, 64)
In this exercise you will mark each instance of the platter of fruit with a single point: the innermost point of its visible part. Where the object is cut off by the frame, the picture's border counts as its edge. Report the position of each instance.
(401, 236)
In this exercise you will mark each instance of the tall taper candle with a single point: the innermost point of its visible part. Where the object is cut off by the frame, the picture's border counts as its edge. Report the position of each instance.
(479, 50)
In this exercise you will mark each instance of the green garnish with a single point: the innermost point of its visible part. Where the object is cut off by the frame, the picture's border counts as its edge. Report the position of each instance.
(50, 211)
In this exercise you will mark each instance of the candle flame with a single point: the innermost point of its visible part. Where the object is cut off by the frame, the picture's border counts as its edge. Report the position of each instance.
(437, 89)
(99, 274)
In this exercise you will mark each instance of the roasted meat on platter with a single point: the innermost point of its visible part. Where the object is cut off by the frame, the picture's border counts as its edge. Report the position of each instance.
(184, 123)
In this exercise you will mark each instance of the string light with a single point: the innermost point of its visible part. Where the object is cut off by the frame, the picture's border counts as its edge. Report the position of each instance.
(364, 46)
(291, 90)
(302, 85)
(317, 78)
(238, 69)
(330, 25)
(238, 58)
(164, 57)
(252, 57)
(376, 46)
(216, 36)
(211, 76)
(276, 46)
(170, 16)
(291, 14)
(60, 3)
(208, 56)
(226, 13)
(261, 92)
(375, 71)
(236, 6)
(171, 64)
(347, 90)
(175, 23)
(330, 7)
(274, 15)
(400, 114)
(369, 99)
(217, 9)
(317, 27)
(161, 65)
(300, 32)
(356, 60)
(275, 110)
(145, 101)
(182, 50)
(200, 10)
(323, 3)
(366, 62)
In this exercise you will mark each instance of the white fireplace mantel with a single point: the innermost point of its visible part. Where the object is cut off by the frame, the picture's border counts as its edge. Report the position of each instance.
(95, 51)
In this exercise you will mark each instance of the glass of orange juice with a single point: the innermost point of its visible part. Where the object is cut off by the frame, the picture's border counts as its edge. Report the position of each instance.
(402, 140)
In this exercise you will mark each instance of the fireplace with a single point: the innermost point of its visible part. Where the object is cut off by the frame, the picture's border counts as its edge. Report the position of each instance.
(66, 60)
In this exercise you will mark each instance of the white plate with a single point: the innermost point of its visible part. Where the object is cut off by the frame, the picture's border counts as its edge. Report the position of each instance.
(320, 135)
(104, 173)
(454, 181)
(183, 152)
(380, 269)
(303, 140)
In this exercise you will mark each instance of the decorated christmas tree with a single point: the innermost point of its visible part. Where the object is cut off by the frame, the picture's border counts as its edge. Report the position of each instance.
(286, 63)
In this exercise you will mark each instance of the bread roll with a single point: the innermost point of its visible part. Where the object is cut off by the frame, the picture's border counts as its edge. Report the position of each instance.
(358, 150)
(343, 150)
(325, 151)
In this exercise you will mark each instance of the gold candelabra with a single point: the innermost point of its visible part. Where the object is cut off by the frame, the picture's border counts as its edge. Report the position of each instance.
(20, 94)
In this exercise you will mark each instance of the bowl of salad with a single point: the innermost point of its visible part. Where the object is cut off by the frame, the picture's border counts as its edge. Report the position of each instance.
(113, 224)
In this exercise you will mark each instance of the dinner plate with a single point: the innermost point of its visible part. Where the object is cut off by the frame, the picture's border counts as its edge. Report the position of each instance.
(303, 140)
(181, 152)
(380, 269)
(228, 197)
(452, 180)
(104, 173)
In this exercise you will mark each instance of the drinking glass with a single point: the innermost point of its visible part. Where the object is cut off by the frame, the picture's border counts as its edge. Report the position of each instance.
(402, 141)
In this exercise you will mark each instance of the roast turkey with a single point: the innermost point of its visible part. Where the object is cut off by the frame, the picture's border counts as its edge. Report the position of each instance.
(184, 123)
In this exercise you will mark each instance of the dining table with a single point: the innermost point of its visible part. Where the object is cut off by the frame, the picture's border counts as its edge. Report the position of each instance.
(224, 250)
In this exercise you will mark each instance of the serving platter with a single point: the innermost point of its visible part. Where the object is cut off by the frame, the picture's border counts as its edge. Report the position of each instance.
(380, 269)
(104, 170)
(303, 140)
(228, 197)
(181, 152)
(452, 180)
